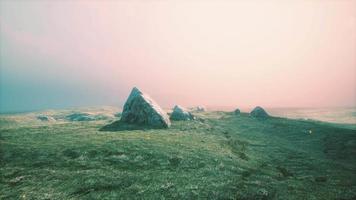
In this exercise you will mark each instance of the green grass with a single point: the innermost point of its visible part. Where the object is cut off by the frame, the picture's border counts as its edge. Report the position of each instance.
(220, 156)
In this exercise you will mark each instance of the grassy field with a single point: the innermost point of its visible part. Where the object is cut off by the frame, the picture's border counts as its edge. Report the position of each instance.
(219, 156)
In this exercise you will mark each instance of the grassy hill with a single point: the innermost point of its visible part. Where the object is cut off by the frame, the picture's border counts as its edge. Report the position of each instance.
(219, 156)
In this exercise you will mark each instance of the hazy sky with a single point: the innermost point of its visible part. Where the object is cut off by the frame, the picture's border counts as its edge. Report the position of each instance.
(213, 53)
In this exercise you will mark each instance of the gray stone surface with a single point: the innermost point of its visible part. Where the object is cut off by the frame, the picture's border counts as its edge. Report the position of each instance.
(181, 113)
(142, 110)
(259, 112)
(237, 111)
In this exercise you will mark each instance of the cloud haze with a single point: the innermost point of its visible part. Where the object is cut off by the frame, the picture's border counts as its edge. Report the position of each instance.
(214, 53)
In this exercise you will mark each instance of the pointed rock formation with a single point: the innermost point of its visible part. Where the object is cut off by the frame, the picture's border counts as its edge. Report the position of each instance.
(259, 112)
(140, 111)
(180, 113)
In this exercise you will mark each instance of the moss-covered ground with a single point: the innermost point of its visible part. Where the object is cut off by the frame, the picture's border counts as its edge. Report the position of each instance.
(219, 156)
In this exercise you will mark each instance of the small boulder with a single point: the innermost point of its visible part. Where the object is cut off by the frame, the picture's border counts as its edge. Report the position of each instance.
(259, 112)
(180, 113)
(45, 118)
(199, 109)
(237, 112)
(80, 117)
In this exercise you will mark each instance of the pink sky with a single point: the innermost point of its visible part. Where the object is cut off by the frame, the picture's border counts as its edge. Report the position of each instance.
(212, 53)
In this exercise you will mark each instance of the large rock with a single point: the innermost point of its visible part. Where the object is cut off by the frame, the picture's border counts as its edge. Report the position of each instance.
(259, 112)
(180, 113)
(142, 110)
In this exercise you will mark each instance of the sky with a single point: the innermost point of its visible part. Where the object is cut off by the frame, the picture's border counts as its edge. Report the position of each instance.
(290, 53)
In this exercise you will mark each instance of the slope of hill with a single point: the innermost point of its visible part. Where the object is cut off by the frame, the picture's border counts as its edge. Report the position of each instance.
(219, 156)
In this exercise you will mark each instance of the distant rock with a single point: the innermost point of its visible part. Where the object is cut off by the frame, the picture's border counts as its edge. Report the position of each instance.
(237, 111)
(87, 117)
(141, 111)
(199, 109)
(80, 117)
(180, 113)
(45, 118)
(259, 112)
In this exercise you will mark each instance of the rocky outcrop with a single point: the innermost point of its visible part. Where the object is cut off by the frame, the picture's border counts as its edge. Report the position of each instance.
(180, 113)
(259, 112)
(237, 111)
(198, 109)
(45, 118)
(80, 117)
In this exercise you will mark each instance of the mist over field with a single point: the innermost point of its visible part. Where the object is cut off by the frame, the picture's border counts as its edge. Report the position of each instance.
(62, 54)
